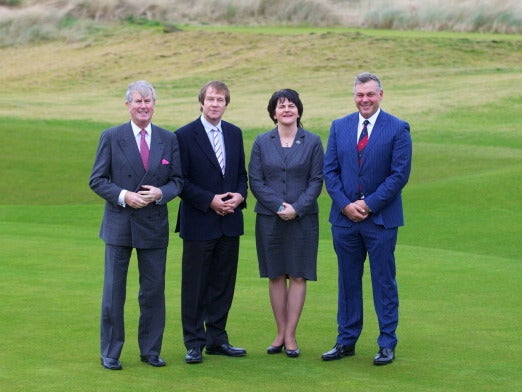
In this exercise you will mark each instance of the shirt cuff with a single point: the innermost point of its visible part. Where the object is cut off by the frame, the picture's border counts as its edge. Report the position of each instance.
(121, 198)
(159, 201)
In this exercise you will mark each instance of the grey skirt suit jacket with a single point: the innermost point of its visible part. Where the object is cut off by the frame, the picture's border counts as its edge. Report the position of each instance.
(293, 175)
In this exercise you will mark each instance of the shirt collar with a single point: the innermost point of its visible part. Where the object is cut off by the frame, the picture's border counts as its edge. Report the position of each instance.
(208, 126)
(136, 130)
(372, 119)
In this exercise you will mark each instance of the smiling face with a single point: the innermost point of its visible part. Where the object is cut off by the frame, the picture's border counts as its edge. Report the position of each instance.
(141, 108)
(286, 112)
(367, 97)
(285, 107)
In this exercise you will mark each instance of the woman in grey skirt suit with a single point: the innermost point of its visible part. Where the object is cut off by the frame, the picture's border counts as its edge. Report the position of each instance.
(285, 174)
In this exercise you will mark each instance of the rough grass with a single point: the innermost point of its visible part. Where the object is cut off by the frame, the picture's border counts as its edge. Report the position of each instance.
(424, 73)
(73, 20)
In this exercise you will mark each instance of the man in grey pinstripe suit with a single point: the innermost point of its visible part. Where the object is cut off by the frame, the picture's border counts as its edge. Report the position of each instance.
(136, 190)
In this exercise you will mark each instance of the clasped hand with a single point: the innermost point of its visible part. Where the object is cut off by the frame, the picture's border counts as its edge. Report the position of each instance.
(356, 211)
(148, 194)
(226, 203)
(286, 212)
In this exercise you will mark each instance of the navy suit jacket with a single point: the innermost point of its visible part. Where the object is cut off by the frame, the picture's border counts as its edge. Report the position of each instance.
(384, 172)
(298, 180)
(118, 166)
(203, 179)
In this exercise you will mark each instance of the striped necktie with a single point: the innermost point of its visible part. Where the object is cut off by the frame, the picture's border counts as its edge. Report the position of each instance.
(361, 144)
(218, 149)
(363, 141)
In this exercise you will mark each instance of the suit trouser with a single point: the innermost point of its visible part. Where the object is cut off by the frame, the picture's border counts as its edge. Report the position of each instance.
(151, 299)
(209, 270)
(351, 245)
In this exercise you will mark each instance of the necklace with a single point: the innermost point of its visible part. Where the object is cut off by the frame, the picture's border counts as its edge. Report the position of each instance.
(286, 135)
(287, 141)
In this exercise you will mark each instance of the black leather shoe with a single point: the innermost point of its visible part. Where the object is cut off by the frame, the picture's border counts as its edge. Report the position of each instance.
(384, 356)
(153, 360)
(194, 355)
(292, 353)
(110, 363)
(226, 349)
(274, 349)
(338, 351)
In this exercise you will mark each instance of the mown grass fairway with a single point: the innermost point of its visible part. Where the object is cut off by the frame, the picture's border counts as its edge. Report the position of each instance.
(458, 255)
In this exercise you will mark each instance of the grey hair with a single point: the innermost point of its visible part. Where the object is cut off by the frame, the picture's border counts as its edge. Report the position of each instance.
(366, 77)
(141, 86)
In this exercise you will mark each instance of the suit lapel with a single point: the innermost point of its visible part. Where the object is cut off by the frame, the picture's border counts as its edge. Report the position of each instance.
(229, 146)
(157, 147)
(276, 144)
(128, 145)
(352, 122)
(204, 143)
(297, 148)
(293, 152)
(376, 131)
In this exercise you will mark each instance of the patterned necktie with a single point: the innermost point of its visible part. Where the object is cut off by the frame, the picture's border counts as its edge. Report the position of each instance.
(218, 149)
(363, 140)
(144, 150)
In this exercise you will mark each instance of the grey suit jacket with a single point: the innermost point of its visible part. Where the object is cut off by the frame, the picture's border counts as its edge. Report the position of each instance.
(118, 166)
(296, 179)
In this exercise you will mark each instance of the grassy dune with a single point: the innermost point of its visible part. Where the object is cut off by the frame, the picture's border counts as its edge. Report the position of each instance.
(458, 255)
(23, 21)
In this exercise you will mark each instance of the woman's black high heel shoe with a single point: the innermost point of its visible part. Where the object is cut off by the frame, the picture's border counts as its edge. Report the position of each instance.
(274, 349)
(293, 353)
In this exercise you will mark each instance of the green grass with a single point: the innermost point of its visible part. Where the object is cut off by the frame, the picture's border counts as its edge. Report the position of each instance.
(458, 256)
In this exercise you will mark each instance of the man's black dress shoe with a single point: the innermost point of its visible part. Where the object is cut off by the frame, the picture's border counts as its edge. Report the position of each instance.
(194, 355)
(110, 363)
(153, 360)
(384, 356)
(274, 349)
(338, 351)
(226, 349)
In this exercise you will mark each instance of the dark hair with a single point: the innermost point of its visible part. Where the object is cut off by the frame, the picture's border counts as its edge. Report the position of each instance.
(216, 85)
(280, 95)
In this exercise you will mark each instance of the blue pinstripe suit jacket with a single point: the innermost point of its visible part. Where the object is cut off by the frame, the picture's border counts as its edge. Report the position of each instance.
(383, 174)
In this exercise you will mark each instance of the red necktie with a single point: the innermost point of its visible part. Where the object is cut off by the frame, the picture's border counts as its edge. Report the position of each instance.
(363, 141)
(361, 144)
(144, 149)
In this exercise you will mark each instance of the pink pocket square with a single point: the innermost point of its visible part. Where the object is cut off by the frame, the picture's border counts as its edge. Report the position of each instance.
(164, 162)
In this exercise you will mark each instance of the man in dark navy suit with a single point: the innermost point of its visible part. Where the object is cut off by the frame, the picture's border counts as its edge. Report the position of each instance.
(367, 164)
(137, 171)
(210, 222)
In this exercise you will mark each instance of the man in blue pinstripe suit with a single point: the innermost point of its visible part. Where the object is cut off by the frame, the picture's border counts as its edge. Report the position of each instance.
(367, 164)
